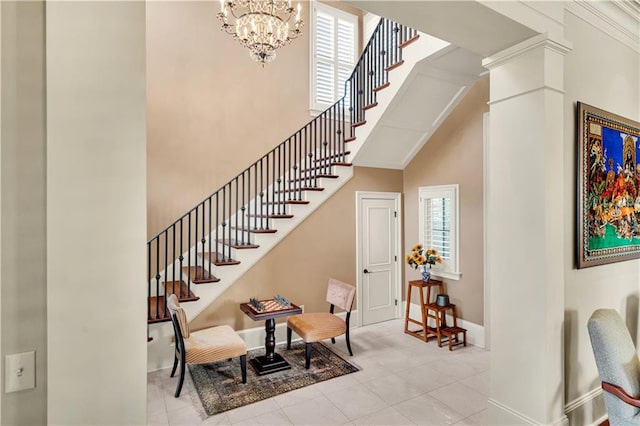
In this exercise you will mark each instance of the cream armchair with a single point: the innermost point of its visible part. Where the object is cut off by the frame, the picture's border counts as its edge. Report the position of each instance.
(618, 366)
(313, 327)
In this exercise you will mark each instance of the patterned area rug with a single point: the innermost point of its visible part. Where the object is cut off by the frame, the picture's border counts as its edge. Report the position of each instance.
(219, 385)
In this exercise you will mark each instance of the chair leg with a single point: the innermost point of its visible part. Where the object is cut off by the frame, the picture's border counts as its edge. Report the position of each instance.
(348, 342)
(288, 338)
(181, 380)
(243, 367)
(307, 356)
(175, 364)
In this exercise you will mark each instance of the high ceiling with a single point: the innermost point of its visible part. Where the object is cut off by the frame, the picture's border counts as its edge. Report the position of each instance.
(466, 24)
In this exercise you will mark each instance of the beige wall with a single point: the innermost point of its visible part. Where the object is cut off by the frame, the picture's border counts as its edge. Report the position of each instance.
(23, 203)
(454, 155)
(323, 246)
(610, 82)
(96, 213)
(212, 110)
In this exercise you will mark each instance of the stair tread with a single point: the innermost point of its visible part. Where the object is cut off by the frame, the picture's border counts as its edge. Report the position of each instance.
(304, 188)
(320, 175)
(325, 166)
(408, 42)
(359, 123)
(351, 139)
(271, 215)
(256, 230)
(212, 256)
(180, 289)
(332, 156)
(394, 66)
(372, 105)
(287, 202)
(199, 275)
(382, 86)
(239, 245)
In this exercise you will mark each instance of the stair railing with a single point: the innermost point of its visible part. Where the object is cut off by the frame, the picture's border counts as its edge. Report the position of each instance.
(225, 220)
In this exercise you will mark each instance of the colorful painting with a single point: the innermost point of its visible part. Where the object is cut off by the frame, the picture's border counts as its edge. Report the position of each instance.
(608, 187)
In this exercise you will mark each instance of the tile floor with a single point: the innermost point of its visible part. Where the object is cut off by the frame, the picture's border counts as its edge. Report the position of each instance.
(403, 381)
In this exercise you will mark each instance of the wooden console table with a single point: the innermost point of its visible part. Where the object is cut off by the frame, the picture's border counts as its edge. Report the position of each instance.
(420, 285)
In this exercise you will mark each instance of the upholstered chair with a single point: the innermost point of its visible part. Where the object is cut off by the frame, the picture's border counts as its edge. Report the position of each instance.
(313, 327)
(203, 346)
(618, 366)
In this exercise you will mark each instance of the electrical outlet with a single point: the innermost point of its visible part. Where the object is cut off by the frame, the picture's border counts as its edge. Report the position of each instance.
(302, 307)
(20, 371)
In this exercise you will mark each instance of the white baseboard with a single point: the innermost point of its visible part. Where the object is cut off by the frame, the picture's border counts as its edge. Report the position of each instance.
(500, 414)
(253, 337)
(588, 409)
(475, 332)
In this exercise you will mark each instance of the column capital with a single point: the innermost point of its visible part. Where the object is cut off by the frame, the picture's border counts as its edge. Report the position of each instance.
(557, 45)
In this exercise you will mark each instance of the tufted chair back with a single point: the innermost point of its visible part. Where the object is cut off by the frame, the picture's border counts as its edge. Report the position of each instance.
(340, 294)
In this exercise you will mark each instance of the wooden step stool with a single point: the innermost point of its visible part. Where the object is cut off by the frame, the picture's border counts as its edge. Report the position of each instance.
(421, 333)
(442, 330)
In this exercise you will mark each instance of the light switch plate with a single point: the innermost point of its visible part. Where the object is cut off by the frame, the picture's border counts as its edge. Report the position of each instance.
(20, 371)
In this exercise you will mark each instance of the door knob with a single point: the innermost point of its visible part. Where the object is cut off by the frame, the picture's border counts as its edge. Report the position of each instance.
(366, 271)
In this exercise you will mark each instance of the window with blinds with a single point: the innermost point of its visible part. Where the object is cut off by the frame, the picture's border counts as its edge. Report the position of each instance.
(438, 225)
(333, 46)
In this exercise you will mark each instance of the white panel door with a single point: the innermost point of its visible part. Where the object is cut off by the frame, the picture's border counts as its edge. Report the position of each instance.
(378, 250)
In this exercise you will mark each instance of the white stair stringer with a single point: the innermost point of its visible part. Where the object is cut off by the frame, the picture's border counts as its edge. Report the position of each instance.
(160, 349)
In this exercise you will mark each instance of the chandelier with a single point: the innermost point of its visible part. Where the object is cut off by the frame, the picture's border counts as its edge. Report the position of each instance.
(260, 25)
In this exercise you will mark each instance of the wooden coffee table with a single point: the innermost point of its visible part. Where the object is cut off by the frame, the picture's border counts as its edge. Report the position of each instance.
(270, 362)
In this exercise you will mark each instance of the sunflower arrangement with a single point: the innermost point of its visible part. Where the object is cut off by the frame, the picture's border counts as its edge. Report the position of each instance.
(421, 257)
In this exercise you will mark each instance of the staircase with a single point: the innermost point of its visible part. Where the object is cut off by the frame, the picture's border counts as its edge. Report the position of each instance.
(203, 252)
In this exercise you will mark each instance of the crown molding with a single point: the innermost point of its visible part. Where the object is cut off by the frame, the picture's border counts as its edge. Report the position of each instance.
(619, 19)
(631, 7)
(541, 40)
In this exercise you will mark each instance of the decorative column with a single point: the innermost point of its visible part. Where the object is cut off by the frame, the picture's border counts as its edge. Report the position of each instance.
(96, 212)
(525, 232)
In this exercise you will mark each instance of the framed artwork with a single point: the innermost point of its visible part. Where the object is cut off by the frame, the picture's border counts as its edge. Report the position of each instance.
(608, 225)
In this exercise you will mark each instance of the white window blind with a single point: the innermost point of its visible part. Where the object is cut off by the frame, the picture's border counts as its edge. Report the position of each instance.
(333, 47)
(438, 226)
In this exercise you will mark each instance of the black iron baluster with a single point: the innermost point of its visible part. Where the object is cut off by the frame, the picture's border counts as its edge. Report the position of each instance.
(226, 231)
(181, 258)
(166, 254)
(203, 240)
(195, 237)
(262, 209)
(210, 233)
(244, 211)
(279, 178)
(189, 274)
(217, 222)
(158, 278)
(238, 212)
(173, 256)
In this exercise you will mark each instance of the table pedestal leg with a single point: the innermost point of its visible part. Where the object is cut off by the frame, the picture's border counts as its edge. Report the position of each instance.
(270, 362)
